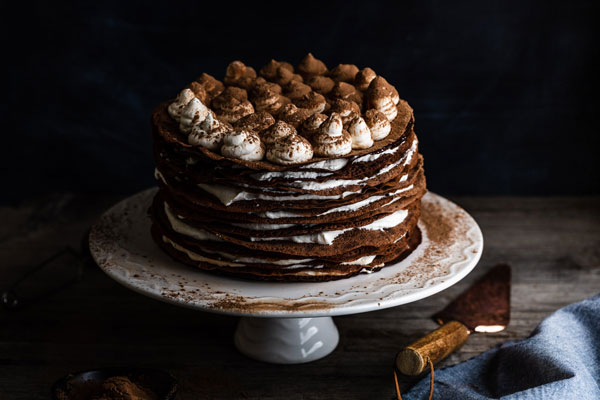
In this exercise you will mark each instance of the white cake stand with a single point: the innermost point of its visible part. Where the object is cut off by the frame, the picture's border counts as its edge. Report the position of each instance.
(286, 323)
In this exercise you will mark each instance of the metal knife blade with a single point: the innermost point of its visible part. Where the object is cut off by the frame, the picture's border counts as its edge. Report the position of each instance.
(485, 306)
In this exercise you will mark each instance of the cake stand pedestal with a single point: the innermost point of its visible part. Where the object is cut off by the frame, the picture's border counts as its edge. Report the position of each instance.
(286, 340)
(286, 323)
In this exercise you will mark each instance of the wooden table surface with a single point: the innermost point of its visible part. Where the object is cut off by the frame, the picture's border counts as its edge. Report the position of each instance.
(553, 245)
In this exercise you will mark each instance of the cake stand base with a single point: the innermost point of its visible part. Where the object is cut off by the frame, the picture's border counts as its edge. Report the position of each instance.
(286, 323)
(286, 340)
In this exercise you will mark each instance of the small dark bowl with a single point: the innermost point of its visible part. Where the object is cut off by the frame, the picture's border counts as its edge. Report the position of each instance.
(163, 384)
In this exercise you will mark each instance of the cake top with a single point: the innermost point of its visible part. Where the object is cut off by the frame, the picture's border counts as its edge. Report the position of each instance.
(288, 116)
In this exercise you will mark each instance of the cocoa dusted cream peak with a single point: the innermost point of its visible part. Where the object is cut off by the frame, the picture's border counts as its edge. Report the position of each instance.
(209, 133)
(232, 104)
(272, 71)
(212, 86)
(360, 133)
(383, 97)
(256, 122)
(332, 139)
(364, 78)
(244, 145)
(311, 125)
(278, 131)
(344, 73)
(347, 109)
(238, 74)
(311, 66)
(346, 91)
(378, 124)
(193, 113)
(312, 101)
(199, 92)
(267, 97)
(212, 140)
(293, 115)
(321, 84)
(291, 149)
(296, 90)
(183, 98)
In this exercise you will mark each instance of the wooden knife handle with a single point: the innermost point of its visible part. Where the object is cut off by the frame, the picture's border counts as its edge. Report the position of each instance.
(436, 346)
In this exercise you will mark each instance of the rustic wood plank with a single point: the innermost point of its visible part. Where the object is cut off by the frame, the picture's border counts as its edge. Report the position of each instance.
(553, 245)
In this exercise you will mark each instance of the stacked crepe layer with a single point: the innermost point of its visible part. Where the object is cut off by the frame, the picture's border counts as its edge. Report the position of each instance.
(320, 219)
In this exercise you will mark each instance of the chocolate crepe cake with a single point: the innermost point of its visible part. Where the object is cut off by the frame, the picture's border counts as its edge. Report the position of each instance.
(292, 174)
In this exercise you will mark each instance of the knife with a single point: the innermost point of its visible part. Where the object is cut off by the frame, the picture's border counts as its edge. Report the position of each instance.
(484, 307)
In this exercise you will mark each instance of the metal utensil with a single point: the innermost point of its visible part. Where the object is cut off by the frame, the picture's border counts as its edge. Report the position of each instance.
(484, 307)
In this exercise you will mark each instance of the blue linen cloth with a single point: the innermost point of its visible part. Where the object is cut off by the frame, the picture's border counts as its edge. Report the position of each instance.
(560, 360)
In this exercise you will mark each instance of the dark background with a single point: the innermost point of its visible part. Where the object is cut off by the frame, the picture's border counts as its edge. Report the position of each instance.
(505, 93)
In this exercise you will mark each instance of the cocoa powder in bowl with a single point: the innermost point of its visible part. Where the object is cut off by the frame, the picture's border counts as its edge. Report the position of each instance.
(116, 384)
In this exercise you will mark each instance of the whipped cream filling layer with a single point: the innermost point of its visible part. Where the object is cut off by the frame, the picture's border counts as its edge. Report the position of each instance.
(235, 260)
(400, 238)
(323, 237)
(187, 230)
(375, 156)
(335, 164)
(197, 257)
(361, 261)
(334, 183)
(296, 263)
(334, 273)
(363, 203)
(228, 195)
(303, 266)
(159, 176)
(345, 208)
(328, 237)
(267, 176)
(257, 227)
(252, 260)
(278, 214)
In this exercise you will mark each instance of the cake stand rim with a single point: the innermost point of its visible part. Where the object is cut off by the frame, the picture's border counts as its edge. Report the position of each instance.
(329, 308)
